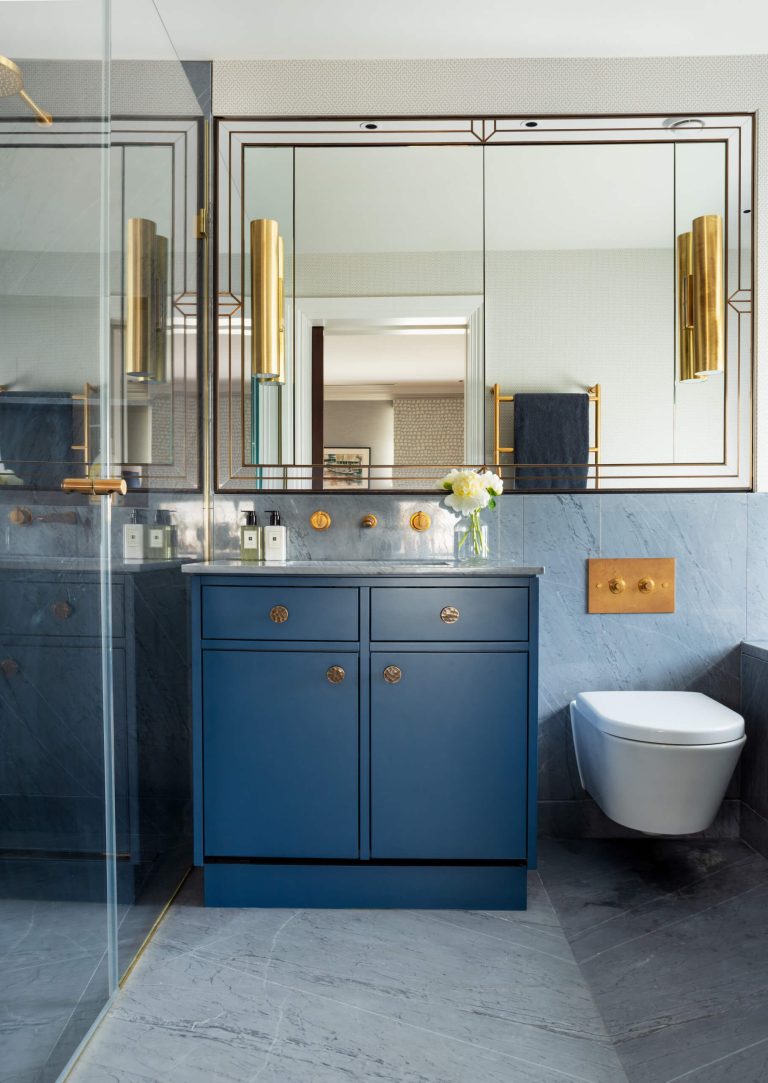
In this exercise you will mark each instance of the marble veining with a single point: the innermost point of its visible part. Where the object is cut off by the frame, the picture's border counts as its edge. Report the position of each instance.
(283, 996)
(359, 568)
(670, 935)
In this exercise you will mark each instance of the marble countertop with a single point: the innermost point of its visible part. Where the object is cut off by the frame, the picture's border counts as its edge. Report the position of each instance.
(366, 568)
(84, 564)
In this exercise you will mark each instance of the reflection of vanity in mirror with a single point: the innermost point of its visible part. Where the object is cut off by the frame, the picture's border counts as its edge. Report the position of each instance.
(567, 302)
(51, 400)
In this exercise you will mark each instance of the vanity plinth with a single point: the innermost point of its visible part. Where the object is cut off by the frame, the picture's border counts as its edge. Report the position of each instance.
(365, 733)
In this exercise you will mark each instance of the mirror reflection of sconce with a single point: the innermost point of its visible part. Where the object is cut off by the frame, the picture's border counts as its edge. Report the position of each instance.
(700, 298)
(146, 314)
(267, 301)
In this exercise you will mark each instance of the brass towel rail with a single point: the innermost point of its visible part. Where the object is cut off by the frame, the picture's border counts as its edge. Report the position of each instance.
(594, 397)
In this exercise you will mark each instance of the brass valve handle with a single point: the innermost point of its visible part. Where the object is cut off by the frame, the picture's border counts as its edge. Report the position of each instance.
(392, 674)
(278, 614)
(335, 674)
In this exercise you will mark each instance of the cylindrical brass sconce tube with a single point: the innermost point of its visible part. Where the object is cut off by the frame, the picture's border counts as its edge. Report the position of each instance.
(708, 295)
(265, 315)
(160, 309)
(281, 309)
(140, 293)
(685, 306)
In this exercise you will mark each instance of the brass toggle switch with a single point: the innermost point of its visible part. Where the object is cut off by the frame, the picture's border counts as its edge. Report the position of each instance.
(631, 585)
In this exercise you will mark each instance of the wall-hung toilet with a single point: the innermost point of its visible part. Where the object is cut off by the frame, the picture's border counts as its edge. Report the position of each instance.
(659, 762)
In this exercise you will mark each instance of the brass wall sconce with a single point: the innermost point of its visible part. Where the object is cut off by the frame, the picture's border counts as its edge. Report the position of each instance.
(146, 310)
(701, 299)
(267, 301)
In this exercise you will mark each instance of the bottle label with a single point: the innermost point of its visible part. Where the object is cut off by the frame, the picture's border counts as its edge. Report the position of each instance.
(250, 539)
(156, 539)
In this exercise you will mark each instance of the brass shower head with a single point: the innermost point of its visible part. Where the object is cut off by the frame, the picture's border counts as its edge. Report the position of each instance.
(12, 82)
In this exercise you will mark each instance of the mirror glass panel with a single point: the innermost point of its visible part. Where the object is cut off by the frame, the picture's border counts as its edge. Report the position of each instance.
(571, 305)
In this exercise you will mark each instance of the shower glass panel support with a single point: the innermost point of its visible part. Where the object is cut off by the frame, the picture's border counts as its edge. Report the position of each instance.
(59, 604)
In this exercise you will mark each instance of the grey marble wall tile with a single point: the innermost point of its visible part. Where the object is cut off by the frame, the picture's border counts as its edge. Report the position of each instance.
(694, 647)
(757, 565)
(754, 829)
(754, 707)
(583, 819)
(561, 532)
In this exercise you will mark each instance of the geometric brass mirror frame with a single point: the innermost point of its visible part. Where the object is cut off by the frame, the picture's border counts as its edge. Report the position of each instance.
(736, 132)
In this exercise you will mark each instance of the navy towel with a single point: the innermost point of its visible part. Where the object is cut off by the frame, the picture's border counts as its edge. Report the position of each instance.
(551, 429)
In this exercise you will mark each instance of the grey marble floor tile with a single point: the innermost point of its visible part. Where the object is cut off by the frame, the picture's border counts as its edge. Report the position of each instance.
(672, 939)
(448, 997)
(591, 881)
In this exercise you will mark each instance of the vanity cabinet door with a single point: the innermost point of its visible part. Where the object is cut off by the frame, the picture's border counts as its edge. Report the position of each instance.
(448, 755)
(280, 754)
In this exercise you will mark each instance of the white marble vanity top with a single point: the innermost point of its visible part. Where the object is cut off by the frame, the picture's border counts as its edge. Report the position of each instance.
(359, 568)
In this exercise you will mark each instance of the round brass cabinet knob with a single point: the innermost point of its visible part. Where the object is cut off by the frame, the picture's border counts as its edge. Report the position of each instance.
(617, 586)
(9, 667)
(278, 614)
(421, 521)
(392, 674)
(335, 674)
(449, 614)
(62, 610)
(320, 520)
(646, 585)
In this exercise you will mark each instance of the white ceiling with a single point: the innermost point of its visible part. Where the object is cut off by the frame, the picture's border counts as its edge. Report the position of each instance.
(399, 359)
(244, 29)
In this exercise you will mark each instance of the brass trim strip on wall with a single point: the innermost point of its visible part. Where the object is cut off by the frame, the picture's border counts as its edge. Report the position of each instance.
(593, 394)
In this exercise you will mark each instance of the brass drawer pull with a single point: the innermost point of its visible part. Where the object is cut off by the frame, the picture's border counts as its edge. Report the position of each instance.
(392, 674)
(9, 667)
(335, 674)
(62, 610)
(449, 614)
(278, 614)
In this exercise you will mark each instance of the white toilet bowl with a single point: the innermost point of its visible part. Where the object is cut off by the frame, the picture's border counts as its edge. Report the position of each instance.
(659, 762)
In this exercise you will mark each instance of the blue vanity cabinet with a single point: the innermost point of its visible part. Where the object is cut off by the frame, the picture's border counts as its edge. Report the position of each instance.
(364, 740)
(280, 752)
(448, 755)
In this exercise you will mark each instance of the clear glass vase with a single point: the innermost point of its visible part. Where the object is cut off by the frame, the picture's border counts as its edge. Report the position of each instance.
(471, 540)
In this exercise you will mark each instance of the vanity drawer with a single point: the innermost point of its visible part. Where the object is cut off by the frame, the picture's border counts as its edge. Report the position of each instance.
(56, 607)
(280, 613)
(449, 614)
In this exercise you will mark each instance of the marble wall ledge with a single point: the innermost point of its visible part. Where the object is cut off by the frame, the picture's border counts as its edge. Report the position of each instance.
(367, 568)
(758, 648)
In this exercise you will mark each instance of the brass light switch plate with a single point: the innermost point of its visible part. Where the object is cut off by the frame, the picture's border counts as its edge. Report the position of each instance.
(632, 585)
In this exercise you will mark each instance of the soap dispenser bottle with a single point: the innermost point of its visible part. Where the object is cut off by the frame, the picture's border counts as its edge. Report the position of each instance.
(275, 538)
(161, 537)
(251, 538)
(133, 538)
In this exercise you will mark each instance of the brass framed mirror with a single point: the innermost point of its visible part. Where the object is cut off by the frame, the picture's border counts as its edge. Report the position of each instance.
(564, 299)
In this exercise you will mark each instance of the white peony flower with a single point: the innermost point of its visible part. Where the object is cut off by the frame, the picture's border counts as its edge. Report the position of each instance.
(469, 491)
(492, 482)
